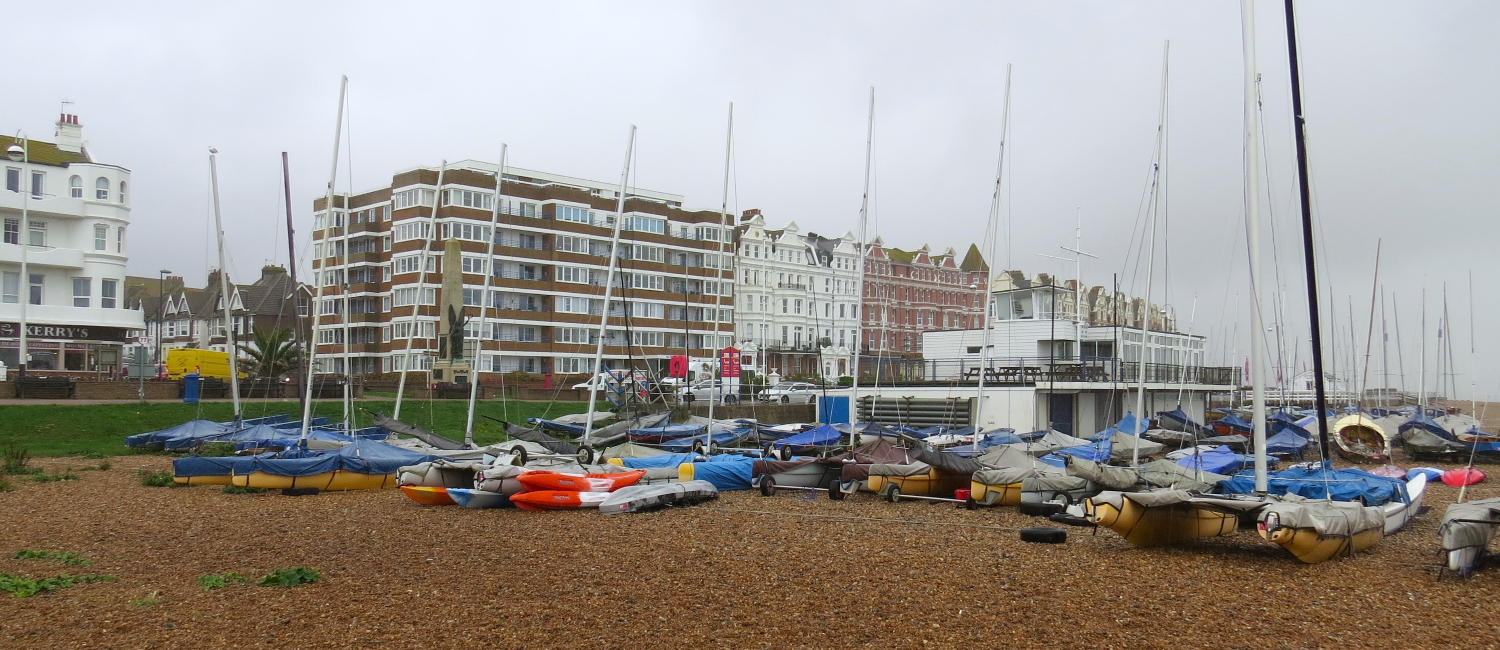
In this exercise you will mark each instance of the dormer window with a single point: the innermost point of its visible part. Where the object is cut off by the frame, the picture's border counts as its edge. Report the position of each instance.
(101, 188)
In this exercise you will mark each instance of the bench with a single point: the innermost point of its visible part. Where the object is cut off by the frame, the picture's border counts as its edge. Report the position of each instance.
(46, 387)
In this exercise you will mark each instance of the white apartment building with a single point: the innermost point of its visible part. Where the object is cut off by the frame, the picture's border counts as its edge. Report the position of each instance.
(74, 242)
(798, 299)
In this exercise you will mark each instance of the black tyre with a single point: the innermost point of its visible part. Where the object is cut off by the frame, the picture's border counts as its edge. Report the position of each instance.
(520, 452)
(893, 493)
(836, 491)
(786, 399)
(585, 456)
(970, 504)
(1044, 535)
(767, 486)
(1040, 509)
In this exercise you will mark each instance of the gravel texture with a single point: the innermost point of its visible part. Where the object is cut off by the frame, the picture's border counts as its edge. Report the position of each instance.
(743, 572)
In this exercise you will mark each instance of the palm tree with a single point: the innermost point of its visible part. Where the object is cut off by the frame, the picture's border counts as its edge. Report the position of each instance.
(272, 353)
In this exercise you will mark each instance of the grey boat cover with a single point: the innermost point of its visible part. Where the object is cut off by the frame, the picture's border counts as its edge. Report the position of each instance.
(629, 450)
(1420, 441)
(1007, 456)
(1113, 478)
(441, 473)
(1456, 423)
(1461, 527)
(540, 437)
(637, 498)
(1164, 498)
(895, 469)
(1232, 440)
(500, 479)
(614, 432)
(1122, 443)
(1168, 474)
(1003, 476)
(951, 463)
(581, 418)
(1054, 484)
(1329, 518)
(1170, 437)
(397, 426)
(1048, 443)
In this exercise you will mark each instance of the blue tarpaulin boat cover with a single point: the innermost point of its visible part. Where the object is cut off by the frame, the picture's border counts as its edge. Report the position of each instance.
(1342, 484)
(823, 436)
(1128, 424)
(1179, 418)
(664, 460)
(572, 430)
(1286, 442)
(360, 457)
(221, 465)
(1421, 421)
(1097, 452)
(1219, 460)
(725, 471)
(686, 443)
(202, 429)
(1234, 424)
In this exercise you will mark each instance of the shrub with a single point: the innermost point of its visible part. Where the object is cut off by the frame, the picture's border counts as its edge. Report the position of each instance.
(65, 475)
(148, 600)
(159, 478)
(289, 577)
(846, 380)
(239, 489)
(16, 461)
(70, 559)
(220, 580)
(216, 449)
(24, 587)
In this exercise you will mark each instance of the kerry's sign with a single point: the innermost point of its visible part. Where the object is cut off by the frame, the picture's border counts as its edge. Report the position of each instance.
(73, 332)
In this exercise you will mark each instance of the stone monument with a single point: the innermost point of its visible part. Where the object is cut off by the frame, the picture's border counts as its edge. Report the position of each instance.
(450, 365)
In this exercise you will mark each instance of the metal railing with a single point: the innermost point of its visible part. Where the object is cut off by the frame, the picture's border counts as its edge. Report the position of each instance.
(534, 276)
(535, 244)
(1029, 371)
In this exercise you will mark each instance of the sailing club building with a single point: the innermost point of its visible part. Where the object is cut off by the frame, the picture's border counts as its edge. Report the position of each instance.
(75, 241)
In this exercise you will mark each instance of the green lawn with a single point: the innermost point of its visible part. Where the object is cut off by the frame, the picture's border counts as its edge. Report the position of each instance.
(66, 430)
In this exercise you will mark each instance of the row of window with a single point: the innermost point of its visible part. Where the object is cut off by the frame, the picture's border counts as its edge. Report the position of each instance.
(793, 335)
(83, 290)
(36, 235)
(75, 185)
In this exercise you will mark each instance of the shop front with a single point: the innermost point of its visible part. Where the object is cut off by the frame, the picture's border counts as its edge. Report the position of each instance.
(65, 349)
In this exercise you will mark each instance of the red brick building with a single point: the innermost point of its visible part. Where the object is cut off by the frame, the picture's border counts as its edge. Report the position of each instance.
(910, 292)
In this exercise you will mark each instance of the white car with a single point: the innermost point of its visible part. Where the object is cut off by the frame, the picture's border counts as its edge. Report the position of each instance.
(789, 392)
(704, 390)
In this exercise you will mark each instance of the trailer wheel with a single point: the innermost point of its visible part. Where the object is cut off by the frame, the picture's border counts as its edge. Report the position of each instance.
(893, 493)
(836, 491)
(1044, 535)
(585, 456)
(767, 486)
(520, 452)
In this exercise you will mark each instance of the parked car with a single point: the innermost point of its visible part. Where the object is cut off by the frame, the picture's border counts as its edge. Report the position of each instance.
(615, 377)
(789, 392)
(704, 390)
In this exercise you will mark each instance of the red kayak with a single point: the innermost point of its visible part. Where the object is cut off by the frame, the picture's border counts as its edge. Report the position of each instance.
(1461, 477)
(536, 481)
(557, 500)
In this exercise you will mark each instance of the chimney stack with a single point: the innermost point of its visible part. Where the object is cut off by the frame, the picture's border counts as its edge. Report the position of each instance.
(69, 134)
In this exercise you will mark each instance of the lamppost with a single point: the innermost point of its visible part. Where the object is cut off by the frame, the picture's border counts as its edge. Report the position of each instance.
(18, 153)
(161, 300)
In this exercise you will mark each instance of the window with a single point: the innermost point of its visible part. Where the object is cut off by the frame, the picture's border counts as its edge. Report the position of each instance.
(572, 365)
(571, 244)
(572, 305)
(101, 188)
(122, 191)
(473, 265)
(38, 184)
(472, 297)
(81, 288)
(572, 335)
(645, 224)
(10, 288)
(101, 237)
(645, 253)
(414, 197)
(13, 179)
(13, 231)
(468, 199)
(385, 243)
(575, 274)
(576, 215)
(75, 187)
(37, 235)
(412, 229)
(647, 339)
(412, 264)
(107, 293)
(120, 240)
(471, 231)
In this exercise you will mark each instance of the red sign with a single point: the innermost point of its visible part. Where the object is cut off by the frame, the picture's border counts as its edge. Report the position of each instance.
(729, 362)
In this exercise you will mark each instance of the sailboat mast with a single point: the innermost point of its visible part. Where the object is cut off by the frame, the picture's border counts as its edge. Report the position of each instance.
(859, 324)
(1140, 384)
(1252, 213)
(1320, 393)
(291, 267)
(1385, 354)
(318, 274)
(484, 298)
(609, 285)
(716, 388)
(1422, 360)
(224, 297)
(993, 229)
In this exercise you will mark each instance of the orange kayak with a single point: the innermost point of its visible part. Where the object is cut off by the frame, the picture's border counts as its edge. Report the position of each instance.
(557, 500)
(574, 483)
(428, 496)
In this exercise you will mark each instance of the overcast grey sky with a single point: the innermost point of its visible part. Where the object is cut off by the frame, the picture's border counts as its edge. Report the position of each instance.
(1399, 100)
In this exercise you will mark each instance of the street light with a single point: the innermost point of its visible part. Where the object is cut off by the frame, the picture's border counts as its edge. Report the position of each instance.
(161, 304)
(18, 153)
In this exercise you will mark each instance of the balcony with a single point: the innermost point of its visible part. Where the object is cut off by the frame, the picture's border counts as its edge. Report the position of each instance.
(791, 285)
(535, 244)
(66, 258)
(532, 276)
